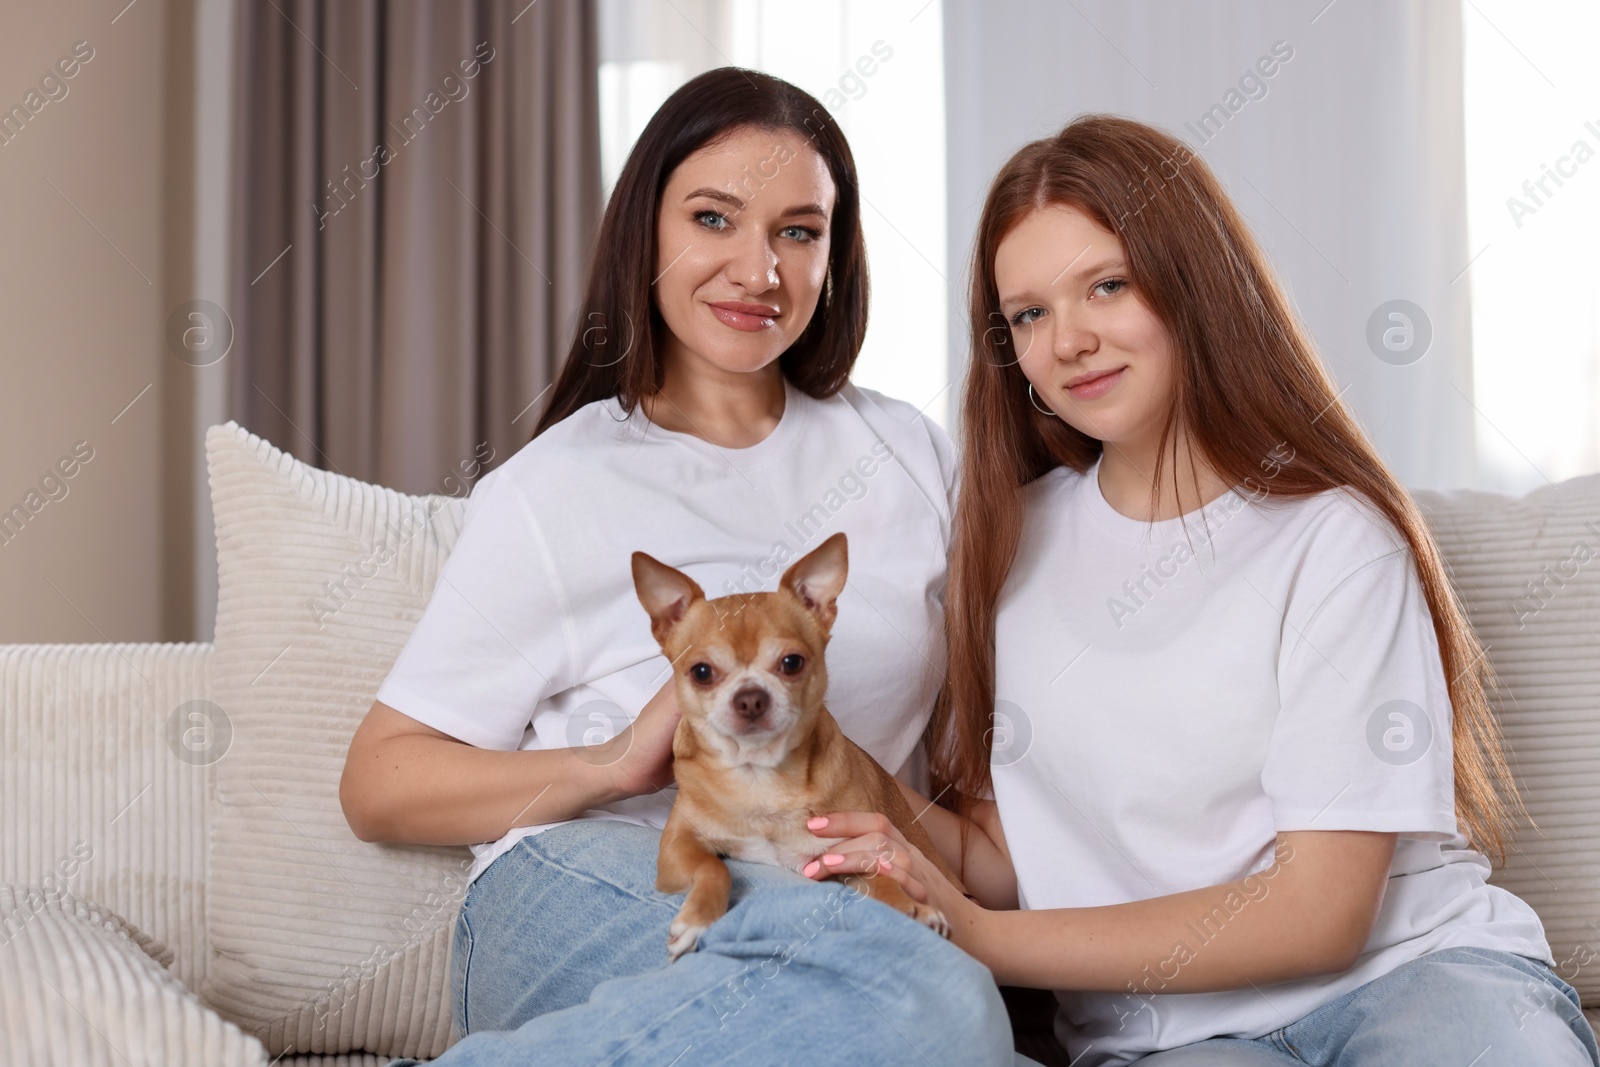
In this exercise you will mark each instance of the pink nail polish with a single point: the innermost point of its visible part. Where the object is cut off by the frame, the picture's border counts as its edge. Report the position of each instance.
(831, 859)
(816, 822)
(811, 868)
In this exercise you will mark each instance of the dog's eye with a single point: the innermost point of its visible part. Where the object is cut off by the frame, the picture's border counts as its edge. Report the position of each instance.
(701, 672)
(792, 663)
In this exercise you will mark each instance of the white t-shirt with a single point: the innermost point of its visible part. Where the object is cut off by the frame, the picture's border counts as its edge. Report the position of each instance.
(1171, 709)
(534, 637)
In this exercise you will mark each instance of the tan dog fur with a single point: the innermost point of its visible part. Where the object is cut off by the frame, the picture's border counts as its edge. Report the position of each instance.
(748, 781)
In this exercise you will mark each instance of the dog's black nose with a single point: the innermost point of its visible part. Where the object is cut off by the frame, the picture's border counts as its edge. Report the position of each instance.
(751, 702)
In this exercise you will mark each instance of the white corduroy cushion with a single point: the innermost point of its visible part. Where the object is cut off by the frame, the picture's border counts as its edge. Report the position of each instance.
(1528, 570)
(79, 985)
(104, 779)
(318, 942)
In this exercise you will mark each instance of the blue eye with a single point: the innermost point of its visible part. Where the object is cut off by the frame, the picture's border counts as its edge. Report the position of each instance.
(705, 219)
(1022, 318)
(806, 233)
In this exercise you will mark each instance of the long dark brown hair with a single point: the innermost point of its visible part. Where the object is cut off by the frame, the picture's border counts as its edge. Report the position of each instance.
(1248, 386)
(616, 347)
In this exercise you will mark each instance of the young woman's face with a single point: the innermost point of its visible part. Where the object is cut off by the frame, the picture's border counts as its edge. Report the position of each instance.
(1096, 354)
(742, 247)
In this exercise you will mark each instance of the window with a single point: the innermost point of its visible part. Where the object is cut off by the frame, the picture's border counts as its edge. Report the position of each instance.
(1532, 103)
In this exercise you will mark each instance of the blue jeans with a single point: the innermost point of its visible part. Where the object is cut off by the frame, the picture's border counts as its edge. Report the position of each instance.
(1452, 1008)
(560, 958)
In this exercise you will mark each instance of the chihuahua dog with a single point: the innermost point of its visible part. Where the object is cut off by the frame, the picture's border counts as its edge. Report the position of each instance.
(756, 754)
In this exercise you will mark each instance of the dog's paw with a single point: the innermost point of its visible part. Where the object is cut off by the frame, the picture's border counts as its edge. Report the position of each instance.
(933, 919)
(682, 937)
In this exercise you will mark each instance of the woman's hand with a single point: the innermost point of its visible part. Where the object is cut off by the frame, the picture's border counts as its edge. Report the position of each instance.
(875, 846)
(639, 758)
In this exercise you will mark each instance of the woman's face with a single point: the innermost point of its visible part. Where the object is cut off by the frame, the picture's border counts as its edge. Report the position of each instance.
(742, 248)
(1096, 354)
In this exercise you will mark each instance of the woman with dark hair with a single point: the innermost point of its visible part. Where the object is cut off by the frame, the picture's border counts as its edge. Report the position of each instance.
(1213, 719)
(704, 415)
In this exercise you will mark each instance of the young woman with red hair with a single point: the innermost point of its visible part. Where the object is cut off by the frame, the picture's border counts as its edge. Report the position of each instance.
(1214, 745)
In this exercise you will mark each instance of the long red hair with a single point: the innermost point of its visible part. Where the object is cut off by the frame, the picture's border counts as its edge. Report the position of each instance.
(1248, 386)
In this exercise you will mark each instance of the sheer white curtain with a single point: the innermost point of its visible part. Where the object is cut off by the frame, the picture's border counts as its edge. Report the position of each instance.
(1347, 161)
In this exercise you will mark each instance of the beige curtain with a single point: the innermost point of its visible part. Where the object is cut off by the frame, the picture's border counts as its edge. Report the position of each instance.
(417, 186)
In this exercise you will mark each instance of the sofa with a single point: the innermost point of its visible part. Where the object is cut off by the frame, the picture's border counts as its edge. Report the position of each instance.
(178, 884)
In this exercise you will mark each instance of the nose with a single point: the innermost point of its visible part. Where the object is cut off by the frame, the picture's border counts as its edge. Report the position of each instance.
(755, 266)
(751, 702)
(1071, 338)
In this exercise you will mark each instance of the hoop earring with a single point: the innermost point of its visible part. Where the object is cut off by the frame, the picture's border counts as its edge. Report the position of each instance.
(1035, 403)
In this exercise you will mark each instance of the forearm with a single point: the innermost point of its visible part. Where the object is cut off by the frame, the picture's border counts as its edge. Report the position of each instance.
(430, 791)
(988, 873)
(1284, 922)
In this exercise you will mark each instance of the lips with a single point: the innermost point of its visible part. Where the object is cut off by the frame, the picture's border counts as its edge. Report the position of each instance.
(747, 317)
(1095, 383)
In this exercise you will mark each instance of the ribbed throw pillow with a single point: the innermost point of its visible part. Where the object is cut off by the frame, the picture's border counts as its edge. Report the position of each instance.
(79, 985)
(318, 942)
(1528, 570)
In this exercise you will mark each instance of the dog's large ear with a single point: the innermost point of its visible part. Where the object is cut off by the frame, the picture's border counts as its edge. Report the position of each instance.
(666, 593)
(817, 578)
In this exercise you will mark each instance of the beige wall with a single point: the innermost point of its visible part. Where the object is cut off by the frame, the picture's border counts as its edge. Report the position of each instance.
(85, 288)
